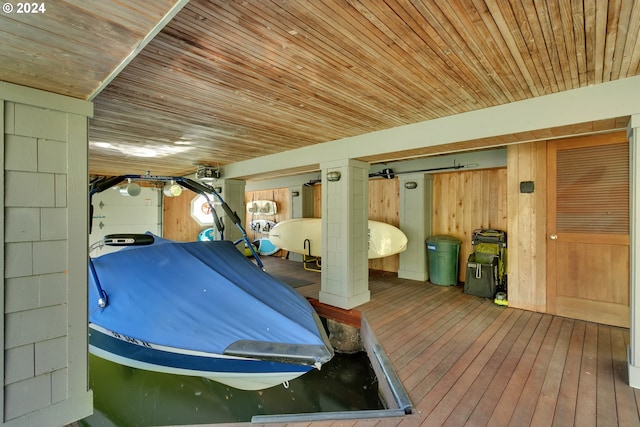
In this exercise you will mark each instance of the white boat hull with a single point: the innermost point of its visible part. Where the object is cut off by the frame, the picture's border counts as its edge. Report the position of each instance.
(238, 372)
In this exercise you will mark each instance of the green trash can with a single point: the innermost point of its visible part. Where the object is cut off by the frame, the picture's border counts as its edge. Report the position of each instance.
(442, 253)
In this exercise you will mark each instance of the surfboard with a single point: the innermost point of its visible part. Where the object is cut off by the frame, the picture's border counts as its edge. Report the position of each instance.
(265, 246)
(261, 225)
(262, 207)
(304, 236)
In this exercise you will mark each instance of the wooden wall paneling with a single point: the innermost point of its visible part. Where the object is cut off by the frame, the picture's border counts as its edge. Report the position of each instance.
(500, 203)
(491, 198)
(540, 223)
(177, 222)
(527, 240)
(455, 190)
(515, 291)
(445, 207)
(384, 200)
(525, 229)
(475, 209)
(384, 206)
(279, 195)
(463, 201)
(467, 200)
(283, 209)
(471, 187)
(474, 195)
(439, 201)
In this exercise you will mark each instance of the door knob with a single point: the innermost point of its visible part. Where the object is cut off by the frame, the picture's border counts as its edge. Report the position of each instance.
(553, 236)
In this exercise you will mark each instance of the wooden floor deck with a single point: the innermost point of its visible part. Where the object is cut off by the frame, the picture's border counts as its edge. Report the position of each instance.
(466, 361)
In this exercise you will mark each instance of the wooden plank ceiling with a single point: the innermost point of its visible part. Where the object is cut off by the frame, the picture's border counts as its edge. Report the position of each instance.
(226, 81)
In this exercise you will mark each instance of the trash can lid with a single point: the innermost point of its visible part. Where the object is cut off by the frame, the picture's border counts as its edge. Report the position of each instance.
(446, 240)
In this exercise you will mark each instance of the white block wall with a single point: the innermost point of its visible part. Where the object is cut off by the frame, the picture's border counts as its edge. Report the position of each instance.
(44, 139)
(301, 207)
(345, 209)
(415, 222)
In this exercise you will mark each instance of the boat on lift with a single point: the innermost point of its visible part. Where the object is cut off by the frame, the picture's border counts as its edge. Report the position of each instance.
(199, 308)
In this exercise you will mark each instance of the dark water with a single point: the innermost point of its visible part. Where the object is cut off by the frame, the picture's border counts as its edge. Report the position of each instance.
(126, 396)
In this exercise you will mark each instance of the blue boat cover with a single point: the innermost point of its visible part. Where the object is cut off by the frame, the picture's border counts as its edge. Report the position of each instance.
(200, 296)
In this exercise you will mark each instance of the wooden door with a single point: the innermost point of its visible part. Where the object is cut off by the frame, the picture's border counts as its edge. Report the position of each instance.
(588, 229)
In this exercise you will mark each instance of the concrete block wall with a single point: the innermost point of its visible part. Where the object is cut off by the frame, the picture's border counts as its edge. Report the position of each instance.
(45, 258)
